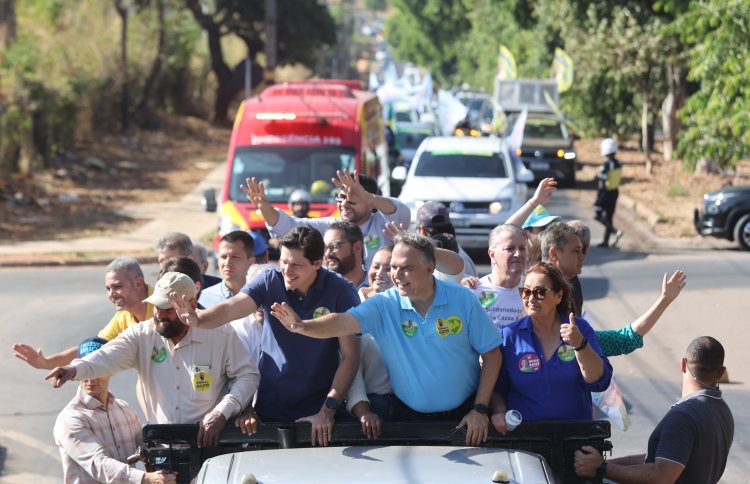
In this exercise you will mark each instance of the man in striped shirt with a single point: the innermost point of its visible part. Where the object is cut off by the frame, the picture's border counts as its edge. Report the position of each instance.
(96, 433)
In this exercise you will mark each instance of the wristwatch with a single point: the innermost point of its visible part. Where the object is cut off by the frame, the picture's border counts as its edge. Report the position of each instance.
(582, 345)
(331, 403)
(480, 408)
(601, 471)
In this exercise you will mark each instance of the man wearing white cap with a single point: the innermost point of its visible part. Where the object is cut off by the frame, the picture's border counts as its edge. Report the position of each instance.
(609, 177)
(186, 374)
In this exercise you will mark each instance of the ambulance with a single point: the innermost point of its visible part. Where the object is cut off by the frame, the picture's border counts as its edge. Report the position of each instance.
(295, 136)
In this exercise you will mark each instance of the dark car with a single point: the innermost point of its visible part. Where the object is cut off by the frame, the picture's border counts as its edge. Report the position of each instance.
(547, 147)
(726, 214)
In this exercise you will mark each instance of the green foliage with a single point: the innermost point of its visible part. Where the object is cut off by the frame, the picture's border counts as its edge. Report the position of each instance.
(376, 4)
(676, 190)
(715, 119)
(430, 33)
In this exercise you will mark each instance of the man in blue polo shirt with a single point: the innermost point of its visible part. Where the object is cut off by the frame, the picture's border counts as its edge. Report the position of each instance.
(302, 379)
(430, 335)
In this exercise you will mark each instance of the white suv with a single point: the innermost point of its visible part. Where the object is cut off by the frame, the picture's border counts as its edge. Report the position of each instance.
(478, 179)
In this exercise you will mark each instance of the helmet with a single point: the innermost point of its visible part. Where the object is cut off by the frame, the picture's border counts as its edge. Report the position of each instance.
(608, 147)
(320, 187)
(299, 195)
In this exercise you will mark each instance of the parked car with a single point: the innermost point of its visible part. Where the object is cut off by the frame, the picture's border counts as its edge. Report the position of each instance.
(478, 179)
(726, 214)
(547, 147)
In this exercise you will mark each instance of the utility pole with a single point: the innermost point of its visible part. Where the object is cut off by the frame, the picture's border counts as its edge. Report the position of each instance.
(271, 52)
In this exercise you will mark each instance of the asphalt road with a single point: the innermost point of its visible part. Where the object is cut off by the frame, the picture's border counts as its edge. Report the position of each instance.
(56, 308)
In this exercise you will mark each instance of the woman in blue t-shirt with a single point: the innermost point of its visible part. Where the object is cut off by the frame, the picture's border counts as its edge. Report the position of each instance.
(551, 359)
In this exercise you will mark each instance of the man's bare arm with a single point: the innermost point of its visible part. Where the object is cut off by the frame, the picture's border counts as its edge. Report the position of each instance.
(542, 195)
(328, 326)
(236, 307)
(36, 358)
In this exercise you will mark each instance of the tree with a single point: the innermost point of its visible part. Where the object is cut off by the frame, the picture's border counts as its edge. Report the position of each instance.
(430, 33)
(716, 124)
(7, 22)
(301, 30)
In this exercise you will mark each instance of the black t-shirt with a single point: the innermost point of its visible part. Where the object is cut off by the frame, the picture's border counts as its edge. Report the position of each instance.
(697, 432)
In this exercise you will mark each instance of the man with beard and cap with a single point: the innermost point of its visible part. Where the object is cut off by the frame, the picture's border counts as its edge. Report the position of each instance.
(343, 252)
(357, 202)
(185, 374)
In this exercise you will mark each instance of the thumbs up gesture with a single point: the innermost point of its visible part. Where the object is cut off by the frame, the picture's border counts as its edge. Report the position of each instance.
(570, 333)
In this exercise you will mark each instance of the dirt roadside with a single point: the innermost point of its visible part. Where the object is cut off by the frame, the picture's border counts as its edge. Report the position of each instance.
(84, 193)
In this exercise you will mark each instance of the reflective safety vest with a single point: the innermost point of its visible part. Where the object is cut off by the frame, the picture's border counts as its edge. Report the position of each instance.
(611, 174)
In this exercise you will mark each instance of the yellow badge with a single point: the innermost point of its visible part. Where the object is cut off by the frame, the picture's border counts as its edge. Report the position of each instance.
(201, 378)
(446, 326)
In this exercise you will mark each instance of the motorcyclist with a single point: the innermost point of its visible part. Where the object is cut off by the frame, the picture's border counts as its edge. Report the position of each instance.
(299, 203)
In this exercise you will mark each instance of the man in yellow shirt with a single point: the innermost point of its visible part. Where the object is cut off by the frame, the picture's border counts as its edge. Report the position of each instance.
(127, 289)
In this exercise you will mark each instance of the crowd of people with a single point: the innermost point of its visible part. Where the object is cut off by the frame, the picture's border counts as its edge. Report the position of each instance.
(362, 320)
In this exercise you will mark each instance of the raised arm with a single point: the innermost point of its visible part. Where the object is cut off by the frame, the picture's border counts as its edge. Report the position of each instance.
(590, 363)
(670, 289)
(328, 326)
(36, 358)
(542, 195)
(256, 193)
(236, 307)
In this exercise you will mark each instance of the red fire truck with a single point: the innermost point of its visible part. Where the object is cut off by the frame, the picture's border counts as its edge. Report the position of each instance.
(295, 136)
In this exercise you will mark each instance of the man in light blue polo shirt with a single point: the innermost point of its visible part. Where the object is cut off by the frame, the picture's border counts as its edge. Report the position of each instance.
(430, 334)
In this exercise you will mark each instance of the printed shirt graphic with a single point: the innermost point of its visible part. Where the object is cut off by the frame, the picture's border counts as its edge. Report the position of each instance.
(502, 305)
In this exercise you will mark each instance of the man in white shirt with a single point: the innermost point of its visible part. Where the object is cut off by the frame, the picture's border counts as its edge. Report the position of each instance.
(186, 374)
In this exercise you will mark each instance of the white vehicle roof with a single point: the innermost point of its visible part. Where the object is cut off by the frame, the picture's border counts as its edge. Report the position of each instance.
(463, 143)
(407, 464)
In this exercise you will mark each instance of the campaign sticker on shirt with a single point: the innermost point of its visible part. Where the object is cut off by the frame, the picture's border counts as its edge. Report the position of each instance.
(201, 378)
(529, 363)
(372, 241)
(450, 325)
(566, 352)
(487, 298)
(321, 311)
(158, 355)
(409, 328)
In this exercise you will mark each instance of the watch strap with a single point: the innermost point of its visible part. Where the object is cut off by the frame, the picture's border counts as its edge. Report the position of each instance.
(480, 408)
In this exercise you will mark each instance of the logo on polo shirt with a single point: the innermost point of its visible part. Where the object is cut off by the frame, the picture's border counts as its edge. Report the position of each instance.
(409, 328)
(529, 363)
(158, 355)
(321, 311)
(372, 241)
(566, 352)
(487, 298)
(451, 325)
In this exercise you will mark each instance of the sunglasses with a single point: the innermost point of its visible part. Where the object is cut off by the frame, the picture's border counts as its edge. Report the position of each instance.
(539, 292)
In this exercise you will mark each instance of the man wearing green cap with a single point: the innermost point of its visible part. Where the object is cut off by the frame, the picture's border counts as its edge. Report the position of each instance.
(96, 433)
(183, 372)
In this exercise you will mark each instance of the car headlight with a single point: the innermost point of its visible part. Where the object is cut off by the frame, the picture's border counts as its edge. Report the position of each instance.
(499, 205)
(713, 205)
(569, 155)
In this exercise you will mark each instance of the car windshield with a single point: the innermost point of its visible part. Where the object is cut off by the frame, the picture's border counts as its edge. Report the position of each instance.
(540, 128)
(461, 164)
(411, 140)
(283, 169)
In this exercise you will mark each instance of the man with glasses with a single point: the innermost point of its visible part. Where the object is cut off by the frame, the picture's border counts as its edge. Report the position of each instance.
(357, 202)
(344, 251)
